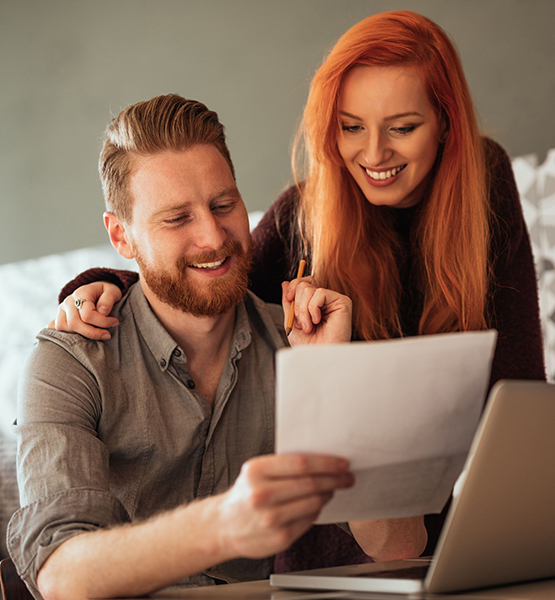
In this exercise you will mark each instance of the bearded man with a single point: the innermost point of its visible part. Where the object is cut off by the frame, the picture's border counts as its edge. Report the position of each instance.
(146, 460)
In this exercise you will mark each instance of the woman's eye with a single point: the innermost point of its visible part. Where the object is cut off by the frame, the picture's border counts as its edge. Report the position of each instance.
(404, 130)
(350, 128)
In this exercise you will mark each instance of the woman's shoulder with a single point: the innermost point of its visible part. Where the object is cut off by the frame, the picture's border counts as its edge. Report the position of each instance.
(503, 192)
(278, 221)
(508, 227)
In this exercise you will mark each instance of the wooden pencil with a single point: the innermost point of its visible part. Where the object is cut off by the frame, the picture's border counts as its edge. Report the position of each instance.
(291, 316)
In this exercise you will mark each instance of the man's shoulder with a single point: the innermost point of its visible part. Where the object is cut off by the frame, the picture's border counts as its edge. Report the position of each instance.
(82, 348)
(268, 316)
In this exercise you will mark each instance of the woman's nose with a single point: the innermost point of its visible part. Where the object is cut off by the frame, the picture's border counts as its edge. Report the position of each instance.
(376, 150)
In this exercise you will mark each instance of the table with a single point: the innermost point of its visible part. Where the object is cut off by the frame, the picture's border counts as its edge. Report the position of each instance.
(261, 590)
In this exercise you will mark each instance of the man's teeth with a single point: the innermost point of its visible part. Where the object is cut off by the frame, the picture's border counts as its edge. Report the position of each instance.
(210, 265)
(384, 174)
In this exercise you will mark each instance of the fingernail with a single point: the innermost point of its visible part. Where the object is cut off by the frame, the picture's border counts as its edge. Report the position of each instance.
(103, 310)
(105, 336)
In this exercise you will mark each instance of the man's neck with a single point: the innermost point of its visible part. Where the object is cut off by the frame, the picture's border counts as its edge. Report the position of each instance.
(204, 340)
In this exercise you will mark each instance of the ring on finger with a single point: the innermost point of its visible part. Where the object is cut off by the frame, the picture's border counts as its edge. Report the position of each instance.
(80, 301)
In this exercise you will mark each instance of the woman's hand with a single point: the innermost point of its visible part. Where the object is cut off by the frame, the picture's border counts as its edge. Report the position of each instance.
(91, 320)
(321, 316)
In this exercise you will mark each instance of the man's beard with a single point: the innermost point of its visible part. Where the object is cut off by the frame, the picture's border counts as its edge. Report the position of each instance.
(201, 299)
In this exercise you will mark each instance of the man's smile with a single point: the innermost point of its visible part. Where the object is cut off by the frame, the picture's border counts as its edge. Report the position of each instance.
(209, 265)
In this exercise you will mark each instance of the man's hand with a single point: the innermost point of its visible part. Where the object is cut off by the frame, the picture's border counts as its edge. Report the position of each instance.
(276, 499)
(321, 316)
(91, 320)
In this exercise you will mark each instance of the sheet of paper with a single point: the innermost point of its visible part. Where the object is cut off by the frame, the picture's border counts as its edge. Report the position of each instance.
(403, 411)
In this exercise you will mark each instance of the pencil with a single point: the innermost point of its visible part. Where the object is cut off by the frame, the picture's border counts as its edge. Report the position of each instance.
(291, 316)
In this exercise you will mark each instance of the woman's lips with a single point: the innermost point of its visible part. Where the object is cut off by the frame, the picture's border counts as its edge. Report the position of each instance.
(384, 177)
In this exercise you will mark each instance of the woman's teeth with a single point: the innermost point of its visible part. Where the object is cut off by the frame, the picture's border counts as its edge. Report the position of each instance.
(384, 174)
(210, 265)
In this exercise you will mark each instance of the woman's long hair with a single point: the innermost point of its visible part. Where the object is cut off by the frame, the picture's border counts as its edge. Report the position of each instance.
(352, 243)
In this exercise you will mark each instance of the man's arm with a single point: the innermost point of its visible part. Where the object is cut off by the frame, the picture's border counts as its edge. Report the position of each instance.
(273, 502)
(72, 527)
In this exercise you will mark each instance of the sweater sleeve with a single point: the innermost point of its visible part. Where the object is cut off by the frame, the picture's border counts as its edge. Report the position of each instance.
(123, 279)
(514, 303)
(273, 247)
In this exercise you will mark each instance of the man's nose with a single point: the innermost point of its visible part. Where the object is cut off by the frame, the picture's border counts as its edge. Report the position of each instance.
(209, 234)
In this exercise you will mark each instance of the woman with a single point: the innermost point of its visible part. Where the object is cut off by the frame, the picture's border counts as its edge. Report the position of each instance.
(400, 205)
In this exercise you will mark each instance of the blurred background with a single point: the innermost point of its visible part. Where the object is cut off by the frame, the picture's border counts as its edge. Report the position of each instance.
(68, 66)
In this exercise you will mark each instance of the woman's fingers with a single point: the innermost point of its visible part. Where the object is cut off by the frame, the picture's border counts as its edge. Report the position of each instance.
(86, 311)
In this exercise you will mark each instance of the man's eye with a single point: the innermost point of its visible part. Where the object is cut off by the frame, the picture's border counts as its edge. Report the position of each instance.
(223, 208)
(176, 220)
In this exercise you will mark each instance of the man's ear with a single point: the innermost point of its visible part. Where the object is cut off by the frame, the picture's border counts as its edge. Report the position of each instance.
(118, 235)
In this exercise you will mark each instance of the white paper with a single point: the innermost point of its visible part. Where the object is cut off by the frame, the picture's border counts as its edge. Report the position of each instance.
(403, 411)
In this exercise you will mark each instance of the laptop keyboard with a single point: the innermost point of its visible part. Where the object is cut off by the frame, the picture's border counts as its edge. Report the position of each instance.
(415, 572)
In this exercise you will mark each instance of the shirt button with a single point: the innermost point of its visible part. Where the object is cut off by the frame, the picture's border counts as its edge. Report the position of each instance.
(177, 352)
(191, 384)
(163, 363)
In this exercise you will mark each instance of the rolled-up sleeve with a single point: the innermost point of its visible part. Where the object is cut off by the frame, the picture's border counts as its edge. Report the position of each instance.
(38, 529)
(63, 466)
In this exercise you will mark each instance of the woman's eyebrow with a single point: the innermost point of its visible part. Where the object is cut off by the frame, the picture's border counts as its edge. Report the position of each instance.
(390, 118)
(346, 114)
(405, 114)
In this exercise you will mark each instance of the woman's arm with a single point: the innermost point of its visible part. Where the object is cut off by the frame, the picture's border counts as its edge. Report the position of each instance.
(514, 293)
(273, 248)
(123, 279)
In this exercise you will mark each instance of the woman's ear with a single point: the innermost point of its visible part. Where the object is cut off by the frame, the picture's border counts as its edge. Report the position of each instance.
(118, 235)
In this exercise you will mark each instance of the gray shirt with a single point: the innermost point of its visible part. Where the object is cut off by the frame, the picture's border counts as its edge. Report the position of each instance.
(115, 432)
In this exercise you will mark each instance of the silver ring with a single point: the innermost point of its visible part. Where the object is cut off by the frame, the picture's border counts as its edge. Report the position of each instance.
(80, 301)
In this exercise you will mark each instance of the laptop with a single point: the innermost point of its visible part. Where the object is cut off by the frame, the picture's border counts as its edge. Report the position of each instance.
(500, 528)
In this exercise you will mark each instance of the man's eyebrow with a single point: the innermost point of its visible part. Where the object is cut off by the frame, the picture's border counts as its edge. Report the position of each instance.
(231, 190)
(390, 118)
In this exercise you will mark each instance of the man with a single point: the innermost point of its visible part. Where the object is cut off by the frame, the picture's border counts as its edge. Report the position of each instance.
(145, 460)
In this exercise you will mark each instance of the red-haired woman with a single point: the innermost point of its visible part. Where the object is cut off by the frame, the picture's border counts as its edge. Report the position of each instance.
(404, 207)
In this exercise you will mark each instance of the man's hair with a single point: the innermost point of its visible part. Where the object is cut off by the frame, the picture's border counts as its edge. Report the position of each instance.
(148, 128)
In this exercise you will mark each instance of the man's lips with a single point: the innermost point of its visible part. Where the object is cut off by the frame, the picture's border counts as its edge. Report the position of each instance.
(214, 268)
(209, 265)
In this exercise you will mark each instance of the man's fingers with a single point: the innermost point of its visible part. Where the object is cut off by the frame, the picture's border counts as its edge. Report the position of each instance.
(294, 465)
(278, 492)
(304, 510)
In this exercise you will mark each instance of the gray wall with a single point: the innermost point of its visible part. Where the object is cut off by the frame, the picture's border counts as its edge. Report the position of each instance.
(67, 65)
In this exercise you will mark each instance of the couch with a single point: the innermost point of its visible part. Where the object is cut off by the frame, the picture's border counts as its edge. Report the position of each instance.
(29, 289)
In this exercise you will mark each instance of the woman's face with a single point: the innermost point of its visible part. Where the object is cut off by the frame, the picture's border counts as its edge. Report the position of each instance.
(388, 133)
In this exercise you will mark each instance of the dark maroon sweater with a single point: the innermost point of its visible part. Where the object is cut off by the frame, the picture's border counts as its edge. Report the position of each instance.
(513, 305)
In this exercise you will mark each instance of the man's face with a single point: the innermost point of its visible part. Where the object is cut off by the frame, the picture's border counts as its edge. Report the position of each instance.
(190, 231)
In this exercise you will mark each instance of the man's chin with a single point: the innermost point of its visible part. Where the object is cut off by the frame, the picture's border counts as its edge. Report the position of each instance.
(211, 298)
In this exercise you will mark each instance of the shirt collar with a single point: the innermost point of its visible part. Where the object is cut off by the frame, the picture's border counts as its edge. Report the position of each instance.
(161, 343)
